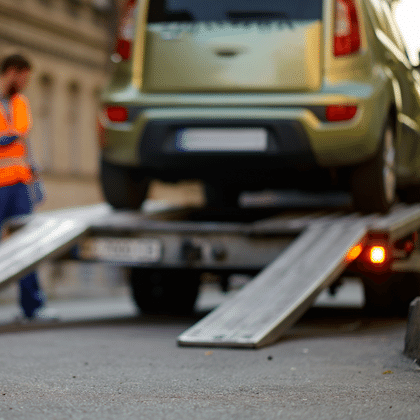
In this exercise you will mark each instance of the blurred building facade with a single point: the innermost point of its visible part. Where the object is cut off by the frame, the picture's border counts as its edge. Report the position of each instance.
(68, 44)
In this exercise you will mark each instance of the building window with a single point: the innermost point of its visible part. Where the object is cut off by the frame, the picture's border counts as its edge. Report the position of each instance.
(99, 17)
(47, 3)
(101, 10)
(46, 123)
(74, 127)
(97, 99)
(74, 7)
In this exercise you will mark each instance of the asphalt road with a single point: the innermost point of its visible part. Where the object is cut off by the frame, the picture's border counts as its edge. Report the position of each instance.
(334, 364)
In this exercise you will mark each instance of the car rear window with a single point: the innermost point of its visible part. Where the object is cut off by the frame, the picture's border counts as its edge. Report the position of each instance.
(233, 10)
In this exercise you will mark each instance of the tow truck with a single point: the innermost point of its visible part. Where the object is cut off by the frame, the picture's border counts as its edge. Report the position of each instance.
(292, 255)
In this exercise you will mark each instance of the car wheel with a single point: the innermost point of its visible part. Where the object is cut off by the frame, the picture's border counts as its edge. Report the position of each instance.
(392, 294)
(374, 183)
(406, 291)
(123, 188)
(222, 196)
(411, 194)
(170, 292)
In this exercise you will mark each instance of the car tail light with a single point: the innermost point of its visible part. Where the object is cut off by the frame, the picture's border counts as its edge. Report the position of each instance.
(126, 30)
(117, 113)
(340, 112)
(347, 31)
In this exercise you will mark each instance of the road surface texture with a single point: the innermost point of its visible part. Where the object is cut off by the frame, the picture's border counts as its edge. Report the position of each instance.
(335, 363)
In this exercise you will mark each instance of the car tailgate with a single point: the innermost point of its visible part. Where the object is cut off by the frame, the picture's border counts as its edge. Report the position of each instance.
(270, 56)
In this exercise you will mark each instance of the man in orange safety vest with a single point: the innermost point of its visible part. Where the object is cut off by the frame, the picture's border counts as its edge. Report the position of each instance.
(15, 170)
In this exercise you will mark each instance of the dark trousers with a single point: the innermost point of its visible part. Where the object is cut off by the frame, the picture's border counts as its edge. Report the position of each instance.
(15, 201)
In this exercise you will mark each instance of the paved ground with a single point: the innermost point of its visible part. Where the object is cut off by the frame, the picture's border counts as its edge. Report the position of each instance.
(121, 307)
(64, 192)
(104, 362)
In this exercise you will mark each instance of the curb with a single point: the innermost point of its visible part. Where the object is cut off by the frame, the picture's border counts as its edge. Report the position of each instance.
(412, 337)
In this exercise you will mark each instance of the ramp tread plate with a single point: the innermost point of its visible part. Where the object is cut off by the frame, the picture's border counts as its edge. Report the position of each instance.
(279, 295)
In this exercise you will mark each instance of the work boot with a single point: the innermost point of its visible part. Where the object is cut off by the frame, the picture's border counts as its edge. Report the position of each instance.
(40, 315)
(45, 315)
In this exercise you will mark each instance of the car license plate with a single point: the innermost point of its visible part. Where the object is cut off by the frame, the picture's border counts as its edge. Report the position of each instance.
(122, 250)
(222, 140)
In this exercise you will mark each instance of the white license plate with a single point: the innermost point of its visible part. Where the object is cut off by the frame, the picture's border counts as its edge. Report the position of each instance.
(122, 250)
(222, 140)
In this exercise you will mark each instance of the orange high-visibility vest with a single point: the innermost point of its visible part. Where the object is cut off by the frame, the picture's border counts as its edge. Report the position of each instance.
(14, 167)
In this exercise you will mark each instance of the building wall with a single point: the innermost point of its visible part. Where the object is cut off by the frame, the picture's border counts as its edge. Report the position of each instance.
(69, 44)
(67, 41)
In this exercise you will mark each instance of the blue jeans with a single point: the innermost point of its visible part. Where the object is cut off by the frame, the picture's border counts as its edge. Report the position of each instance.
(15, 201)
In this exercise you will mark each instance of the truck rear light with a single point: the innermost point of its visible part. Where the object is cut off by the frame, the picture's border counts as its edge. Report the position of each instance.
(117, 113)
(347, 30)
(335, 113)
(354, 253)
(375, 257)
(409, 247)
(378, 255)
(126, 27)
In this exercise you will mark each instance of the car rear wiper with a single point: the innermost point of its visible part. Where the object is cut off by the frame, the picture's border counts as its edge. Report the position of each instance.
(237, 16)
(179, 16)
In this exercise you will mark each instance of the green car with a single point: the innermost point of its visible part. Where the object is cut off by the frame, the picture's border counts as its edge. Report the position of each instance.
(316, 95)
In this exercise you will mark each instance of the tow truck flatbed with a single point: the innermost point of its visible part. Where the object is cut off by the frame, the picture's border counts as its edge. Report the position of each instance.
(295, 254)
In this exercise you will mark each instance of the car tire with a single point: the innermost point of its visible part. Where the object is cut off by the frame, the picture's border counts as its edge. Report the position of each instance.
(164, 292)
(374, 183)
(411, 194)
(123, 188)
(390, 295)
(226, 196)
(406, 291)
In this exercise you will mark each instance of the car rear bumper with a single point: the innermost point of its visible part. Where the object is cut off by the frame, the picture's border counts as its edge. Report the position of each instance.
(287, 146)
(299, 134)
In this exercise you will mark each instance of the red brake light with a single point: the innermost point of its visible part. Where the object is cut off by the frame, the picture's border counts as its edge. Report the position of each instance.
(117, 113)
(126, 30)
(347, 32)
(340, 112)
(409, 247)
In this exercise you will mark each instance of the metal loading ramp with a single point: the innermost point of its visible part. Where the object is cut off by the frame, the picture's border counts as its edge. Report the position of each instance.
(44, 236)
(264, 309)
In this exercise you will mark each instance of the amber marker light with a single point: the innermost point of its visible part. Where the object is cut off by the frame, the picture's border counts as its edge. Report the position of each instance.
(354, 253)
(377, 254)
